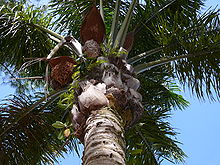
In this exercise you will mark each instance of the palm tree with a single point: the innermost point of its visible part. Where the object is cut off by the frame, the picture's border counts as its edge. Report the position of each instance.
(113, 90)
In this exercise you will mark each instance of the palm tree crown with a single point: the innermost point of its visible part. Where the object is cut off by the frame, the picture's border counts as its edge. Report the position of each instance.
(153, 43)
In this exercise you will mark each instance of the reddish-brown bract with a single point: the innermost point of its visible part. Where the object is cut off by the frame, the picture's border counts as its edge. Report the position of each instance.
(92, 27)
(129, 40)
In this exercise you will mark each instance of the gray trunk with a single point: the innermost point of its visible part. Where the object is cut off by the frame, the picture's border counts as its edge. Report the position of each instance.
(104, 142)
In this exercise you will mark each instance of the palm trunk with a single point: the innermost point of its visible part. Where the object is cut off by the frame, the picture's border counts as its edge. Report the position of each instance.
(104, 142)
(108, 103)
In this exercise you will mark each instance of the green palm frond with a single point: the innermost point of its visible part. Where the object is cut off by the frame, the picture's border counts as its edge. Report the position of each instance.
(16, 30)
(147, 18)
(162, 93)
(20, 38)
(193, 51)
(69, 14)
(27, 135)
(101, 9)
(177, 44)
(26, 28)
(150, 10)
(156, 140)
(114, 25)
(153, 140)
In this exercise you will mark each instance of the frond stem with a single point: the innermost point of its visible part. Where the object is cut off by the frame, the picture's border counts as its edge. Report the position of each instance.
(135, 59)
(143, 67)
(52, 33)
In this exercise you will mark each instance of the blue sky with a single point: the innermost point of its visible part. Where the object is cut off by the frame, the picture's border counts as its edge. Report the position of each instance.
(199, 126)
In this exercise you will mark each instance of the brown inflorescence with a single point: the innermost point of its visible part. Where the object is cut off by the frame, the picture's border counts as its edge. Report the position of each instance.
(61, 70)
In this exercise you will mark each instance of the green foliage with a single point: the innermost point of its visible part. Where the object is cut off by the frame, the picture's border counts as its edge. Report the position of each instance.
(190, 40)
(201, 38)
(115, 19)
(58, 124)
(17, 28)
(23, 130)
(65, 129)
(156, 140)
(80, 72)
(67, 99)
(68, 15)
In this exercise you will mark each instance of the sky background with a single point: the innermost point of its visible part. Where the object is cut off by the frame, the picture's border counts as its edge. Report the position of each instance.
(199, 126)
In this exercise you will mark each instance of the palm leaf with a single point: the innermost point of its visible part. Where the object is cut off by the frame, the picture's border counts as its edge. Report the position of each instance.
(17, 29)
(144, 55)
(101, 9)
(191, 62)
(26, 133)
(156, 138)
(70, 14)
(147, 19)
